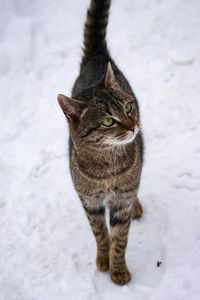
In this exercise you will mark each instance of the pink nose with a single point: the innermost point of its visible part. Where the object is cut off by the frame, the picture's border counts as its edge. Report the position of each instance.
(129, 124)
(132, 128)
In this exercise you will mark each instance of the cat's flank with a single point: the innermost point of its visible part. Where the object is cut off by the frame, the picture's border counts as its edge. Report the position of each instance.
(105, 145)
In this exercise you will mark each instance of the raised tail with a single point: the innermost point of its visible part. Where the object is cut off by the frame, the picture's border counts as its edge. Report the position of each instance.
(95, 28)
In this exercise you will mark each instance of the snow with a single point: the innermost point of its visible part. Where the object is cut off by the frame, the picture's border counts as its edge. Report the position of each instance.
(47, 251)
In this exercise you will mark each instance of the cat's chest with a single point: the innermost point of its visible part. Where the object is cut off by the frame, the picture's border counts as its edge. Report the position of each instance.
(96, 179)
(104, 191)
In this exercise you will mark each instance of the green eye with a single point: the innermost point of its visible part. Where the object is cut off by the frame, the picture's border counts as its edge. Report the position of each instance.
(108, 122)
(128, 108)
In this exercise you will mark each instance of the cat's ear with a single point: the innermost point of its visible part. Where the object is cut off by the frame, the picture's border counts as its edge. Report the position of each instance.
(109, 79)
(72, 108)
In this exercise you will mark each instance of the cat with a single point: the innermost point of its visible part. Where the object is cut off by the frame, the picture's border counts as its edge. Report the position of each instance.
(105, 145)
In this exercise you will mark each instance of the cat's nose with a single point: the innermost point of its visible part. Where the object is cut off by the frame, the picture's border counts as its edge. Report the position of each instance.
(129, 124)
(134, 125)
(132, 128)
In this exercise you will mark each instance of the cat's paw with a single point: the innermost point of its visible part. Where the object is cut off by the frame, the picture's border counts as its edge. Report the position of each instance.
(120, 277)
(137, 211)
(102, 262)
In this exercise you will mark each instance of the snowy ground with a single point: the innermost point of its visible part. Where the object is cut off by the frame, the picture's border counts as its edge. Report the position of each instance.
(47, 251)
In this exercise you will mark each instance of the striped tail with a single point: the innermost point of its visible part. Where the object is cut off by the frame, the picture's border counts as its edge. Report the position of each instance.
(95, 27)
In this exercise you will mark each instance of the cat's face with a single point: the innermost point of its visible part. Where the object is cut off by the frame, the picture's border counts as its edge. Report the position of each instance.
(107, 118)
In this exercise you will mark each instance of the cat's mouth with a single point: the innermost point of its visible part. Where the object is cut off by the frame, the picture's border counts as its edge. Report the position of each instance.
(124, 139)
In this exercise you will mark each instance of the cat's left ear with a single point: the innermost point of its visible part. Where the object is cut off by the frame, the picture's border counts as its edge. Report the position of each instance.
(110, 80)
(72, 108)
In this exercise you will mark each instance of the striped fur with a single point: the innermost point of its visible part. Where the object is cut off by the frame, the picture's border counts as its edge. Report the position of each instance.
(96, 217)
(105, 163)
(95, 27)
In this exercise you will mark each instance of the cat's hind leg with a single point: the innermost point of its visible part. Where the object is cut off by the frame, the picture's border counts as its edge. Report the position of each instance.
(137, 210)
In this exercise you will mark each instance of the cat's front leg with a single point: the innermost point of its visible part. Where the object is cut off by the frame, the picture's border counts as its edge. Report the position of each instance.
(120, 219)
(96, 217)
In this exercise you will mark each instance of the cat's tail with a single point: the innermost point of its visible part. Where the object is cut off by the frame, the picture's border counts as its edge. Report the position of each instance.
(95, 28)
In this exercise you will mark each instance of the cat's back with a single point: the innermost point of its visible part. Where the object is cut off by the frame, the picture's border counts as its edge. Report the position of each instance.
(96, 55)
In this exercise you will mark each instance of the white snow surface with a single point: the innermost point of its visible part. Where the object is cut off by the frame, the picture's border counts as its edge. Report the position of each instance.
(47, 250)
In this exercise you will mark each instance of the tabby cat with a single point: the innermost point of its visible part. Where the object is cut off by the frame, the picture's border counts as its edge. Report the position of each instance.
(105, 145)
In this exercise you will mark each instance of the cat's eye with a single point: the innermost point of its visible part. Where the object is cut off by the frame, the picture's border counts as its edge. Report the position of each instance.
(128, 108)
(108, 122)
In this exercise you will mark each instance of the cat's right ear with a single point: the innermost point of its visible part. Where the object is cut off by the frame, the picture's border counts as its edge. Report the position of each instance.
(108, 80)
(72, 108)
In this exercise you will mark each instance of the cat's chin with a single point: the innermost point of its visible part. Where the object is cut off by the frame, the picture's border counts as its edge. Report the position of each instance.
(129, 138)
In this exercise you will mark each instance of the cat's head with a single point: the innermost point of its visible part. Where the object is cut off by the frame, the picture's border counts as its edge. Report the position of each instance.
(104, 116)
